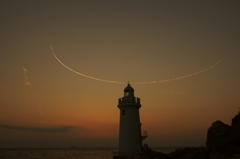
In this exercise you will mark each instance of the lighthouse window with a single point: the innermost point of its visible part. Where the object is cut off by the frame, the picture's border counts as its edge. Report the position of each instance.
(123, 112)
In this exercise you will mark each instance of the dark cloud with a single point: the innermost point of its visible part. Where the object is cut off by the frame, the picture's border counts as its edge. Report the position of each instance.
(38, 129)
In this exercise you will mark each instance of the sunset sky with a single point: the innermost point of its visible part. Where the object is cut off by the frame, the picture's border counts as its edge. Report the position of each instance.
(43, 104)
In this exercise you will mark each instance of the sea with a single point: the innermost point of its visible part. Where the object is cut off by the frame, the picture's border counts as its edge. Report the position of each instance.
(66, 153)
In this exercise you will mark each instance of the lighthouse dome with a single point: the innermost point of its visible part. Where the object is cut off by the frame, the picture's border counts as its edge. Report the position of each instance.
(128, 88)
(128, 91)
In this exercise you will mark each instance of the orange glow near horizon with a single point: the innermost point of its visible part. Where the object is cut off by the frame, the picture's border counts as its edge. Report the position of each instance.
(45, 104)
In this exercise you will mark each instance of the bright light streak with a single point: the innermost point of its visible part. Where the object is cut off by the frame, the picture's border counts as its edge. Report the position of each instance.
(178, 78)
(98, 79)
(117, 82)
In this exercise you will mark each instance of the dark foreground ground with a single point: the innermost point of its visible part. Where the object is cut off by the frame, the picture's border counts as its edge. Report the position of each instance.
(187, 153)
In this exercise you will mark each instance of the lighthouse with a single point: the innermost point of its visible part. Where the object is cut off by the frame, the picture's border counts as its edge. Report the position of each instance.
(130, 135)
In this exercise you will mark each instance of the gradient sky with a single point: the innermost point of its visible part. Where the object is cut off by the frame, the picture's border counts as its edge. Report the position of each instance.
(43, 104)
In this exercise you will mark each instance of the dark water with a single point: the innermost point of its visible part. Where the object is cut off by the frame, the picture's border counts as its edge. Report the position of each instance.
(65, 153)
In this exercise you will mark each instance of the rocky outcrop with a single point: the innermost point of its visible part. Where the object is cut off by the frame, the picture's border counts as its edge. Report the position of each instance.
(216, 136)
(223, 141)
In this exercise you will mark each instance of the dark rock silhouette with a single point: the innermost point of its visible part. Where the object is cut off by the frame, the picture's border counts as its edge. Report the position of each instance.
(236, 122)
(216, 135)
(223, 141)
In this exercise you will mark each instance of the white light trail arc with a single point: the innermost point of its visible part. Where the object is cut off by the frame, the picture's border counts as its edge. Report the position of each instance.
(98, 79)
(178, 78)
(117, 82)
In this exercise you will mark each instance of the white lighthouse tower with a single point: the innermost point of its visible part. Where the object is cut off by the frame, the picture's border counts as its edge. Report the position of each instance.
(130, 138)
